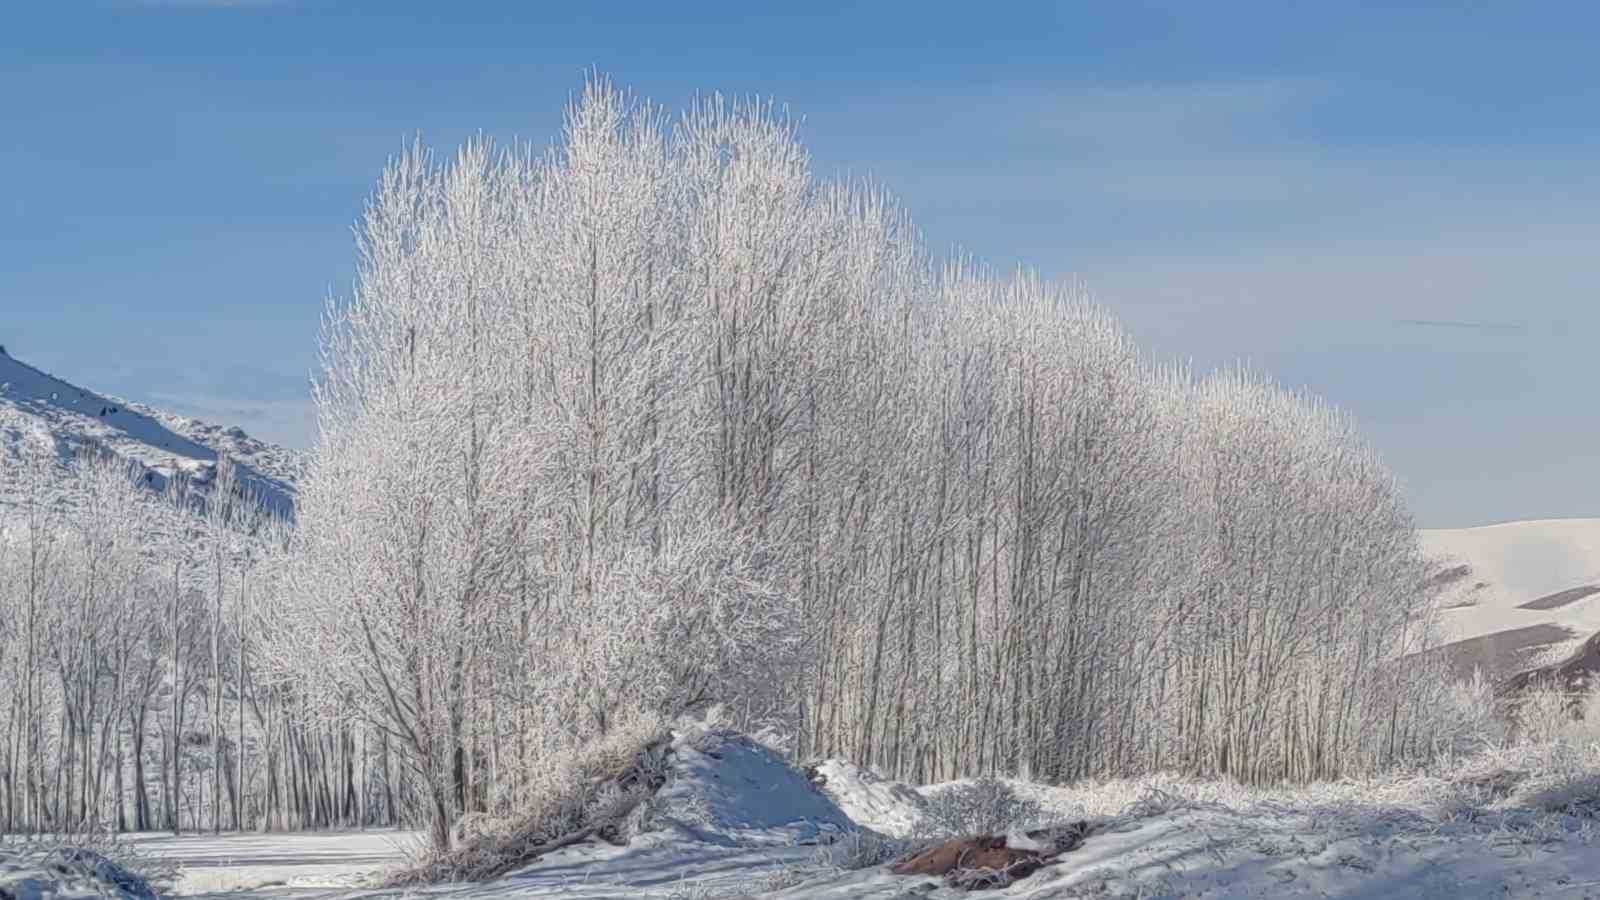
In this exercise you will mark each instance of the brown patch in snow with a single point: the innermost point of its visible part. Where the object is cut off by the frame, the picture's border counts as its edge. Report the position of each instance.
(981, 863)
(963, 853)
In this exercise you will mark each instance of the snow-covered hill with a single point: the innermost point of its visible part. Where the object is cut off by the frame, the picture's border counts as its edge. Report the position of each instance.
(162, 443)
(1519, 593)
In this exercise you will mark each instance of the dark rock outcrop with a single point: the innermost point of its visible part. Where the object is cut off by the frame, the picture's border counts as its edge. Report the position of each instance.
(1576, 673)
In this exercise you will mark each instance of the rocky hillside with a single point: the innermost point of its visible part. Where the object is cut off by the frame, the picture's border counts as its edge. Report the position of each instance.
(162, 444)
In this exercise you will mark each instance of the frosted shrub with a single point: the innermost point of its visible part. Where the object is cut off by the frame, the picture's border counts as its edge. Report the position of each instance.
(598, 783)
(1548, 714)
(982, 807)
(1574, 790)
(1471, 717)
(1455, 719)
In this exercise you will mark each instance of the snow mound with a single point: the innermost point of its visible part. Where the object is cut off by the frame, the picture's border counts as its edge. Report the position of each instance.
(1152, 837)
(69, 872)
(870, 800)
(728, 790)
(730, 814)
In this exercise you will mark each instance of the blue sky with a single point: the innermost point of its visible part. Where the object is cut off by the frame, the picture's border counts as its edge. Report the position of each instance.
(1396, 208)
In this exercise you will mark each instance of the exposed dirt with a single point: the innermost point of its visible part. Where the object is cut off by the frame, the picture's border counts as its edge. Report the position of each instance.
(967, 853)
(981, 863)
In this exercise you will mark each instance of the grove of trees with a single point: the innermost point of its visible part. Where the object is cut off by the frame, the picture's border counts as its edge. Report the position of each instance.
(132, 696)
(659, 419)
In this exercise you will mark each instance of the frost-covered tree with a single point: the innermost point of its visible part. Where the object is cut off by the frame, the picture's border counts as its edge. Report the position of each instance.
(658, 419)
(109, 633)
(505, 503)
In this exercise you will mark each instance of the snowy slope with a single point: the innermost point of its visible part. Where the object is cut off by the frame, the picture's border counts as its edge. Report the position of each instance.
(1518, 592)
(163, 444)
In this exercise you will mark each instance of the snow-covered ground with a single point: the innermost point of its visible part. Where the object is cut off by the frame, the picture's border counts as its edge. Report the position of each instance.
(736, 821)
(1163, 837)
(230, 862)
(1274, 852)
(162, 443)
(1517, 593)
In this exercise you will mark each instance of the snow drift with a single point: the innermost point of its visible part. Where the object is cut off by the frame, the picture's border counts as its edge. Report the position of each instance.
(67, 873)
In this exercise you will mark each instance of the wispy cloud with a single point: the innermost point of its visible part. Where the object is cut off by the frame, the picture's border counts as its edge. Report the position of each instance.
(1077, 122)
(1483, 327)
(1161, 119)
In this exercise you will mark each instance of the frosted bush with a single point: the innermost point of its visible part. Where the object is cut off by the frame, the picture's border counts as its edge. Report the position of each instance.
(1468, 718)
(982, 807)
(1548, 714)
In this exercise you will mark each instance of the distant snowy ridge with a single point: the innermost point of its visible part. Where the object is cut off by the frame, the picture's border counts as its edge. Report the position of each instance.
(161, 443)
(1516, 594)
